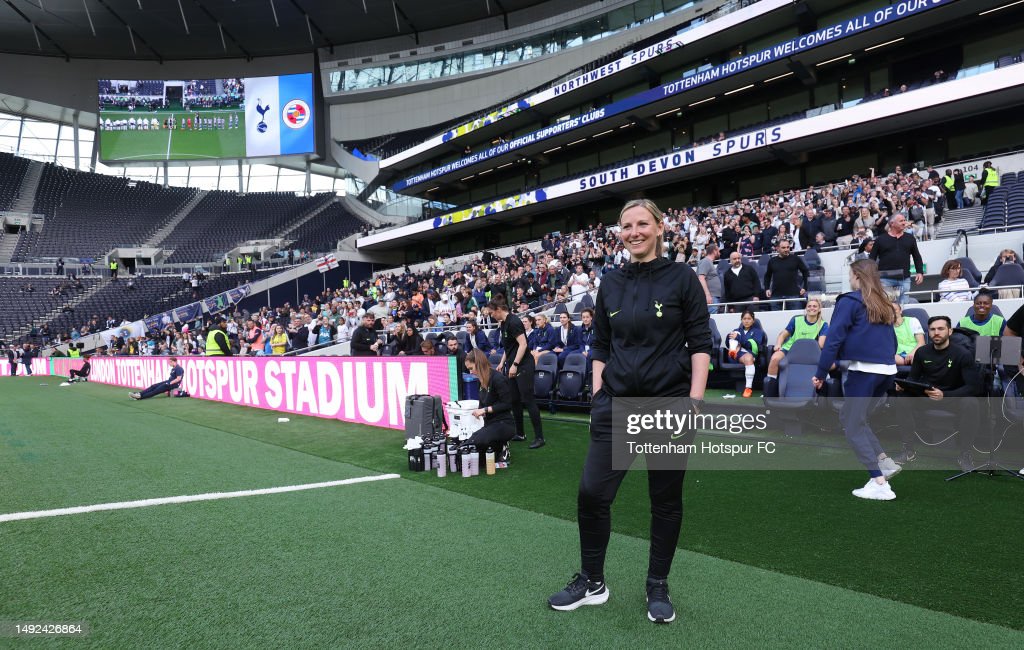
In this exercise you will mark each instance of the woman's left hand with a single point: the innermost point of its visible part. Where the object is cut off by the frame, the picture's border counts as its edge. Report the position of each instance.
(479, 413)
(818, 383)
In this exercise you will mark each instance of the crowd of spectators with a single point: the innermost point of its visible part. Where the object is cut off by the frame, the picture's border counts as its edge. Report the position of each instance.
(408, 305)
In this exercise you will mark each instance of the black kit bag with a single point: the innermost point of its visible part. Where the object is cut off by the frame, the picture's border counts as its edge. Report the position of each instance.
(424, 417)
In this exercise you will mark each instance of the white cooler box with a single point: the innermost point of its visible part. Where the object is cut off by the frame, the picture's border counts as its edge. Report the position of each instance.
(461, 423)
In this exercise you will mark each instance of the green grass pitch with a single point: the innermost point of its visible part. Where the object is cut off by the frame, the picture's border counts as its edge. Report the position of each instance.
(172, 144)
(784, 559)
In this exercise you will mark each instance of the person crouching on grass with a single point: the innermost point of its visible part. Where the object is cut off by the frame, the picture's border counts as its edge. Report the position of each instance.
(173, 381)
(496, 400)
(862, 333)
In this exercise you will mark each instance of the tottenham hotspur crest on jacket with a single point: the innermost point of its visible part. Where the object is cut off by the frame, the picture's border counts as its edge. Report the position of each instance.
(657, 309)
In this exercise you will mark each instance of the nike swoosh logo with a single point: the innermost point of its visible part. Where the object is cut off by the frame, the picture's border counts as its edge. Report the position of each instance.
(612, 314)
(596, 591)
(927, 361)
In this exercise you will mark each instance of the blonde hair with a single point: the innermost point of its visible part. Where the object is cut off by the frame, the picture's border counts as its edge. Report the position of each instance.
(646, 204)
(654, 211)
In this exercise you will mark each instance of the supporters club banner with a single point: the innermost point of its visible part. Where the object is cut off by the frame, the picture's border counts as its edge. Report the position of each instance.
(279, 115)
(124, 331)
(781, 51)
(189, 313)
(354, 389)
(157, 322)
(222, 301)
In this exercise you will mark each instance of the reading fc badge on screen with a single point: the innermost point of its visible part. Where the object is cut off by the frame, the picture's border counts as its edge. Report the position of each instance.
(295, 114)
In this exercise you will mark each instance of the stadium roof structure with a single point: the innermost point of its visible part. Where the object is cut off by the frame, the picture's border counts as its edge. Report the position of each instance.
(164, 30)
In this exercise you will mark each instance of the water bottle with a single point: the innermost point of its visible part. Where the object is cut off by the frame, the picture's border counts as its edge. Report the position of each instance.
(428, 453)
(442, 462)
(453, 460)
(474, 462)
(490, 461)
(466, 469)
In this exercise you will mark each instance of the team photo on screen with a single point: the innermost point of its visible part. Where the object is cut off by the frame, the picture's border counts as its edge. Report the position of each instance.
(205, 119)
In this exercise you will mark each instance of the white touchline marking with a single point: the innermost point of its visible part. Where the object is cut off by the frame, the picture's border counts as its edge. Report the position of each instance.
(188, 498)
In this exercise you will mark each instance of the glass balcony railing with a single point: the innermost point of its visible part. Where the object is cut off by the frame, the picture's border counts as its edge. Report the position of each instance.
(615, 22)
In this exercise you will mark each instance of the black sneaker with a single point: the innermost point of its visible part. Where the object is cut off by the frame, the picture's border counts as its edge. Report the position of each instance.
(518, 438)
(537, 443)
(579, 592)
(503, 454)
(908, 455)
(659, 605)
(966, 461)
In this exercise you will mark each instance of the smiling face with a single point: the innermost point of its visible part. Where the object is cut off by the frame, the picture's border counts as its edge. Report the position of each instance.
(813, 310)
(982, 306)
(641, 233)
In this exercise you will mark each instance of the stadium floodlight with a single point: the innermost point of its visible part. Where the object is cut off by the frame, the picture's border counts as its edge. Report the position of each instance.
(504, 166)
(553, 150)
(183, 19)
(576, 142)
(875, 47)
(838, 58)
(776, 78)
(703, 101)
(598, 135)
(89, 16)
(988, 11)
(668, 112)
(468, 177)
(747, 87)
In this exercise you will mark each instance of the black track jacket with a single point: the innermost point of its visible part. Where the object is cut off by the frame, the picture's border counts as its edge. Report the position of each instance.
(649, 319)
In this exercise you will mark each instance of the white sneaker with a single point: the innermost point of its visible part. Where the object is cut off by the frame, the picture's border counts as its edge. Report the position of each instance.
(889, 467)
(875, 491)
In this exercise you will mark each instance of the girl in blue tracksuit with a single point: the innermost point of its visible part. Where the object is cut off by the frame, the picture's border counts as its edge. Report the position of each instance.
(861, 332)
(750, 338)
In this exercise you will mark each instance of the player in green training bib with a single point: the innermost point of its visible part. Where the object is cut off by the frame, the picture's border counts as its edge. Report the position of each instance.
(809, 326)
(984, 322)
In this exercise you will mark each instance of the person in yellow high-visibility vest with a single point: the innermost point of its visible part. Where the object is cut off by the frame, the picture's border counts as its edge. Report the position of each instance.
(949, 186)
(217, 343)
(989, 180)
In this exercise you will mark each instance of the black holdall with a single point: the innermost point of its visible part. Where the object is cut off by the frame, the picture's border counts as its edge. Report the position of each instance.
(424, 417)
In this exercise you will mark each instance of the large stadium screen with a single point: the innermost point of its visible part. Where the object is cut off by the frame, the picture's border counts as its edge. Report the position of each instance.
(206, 119)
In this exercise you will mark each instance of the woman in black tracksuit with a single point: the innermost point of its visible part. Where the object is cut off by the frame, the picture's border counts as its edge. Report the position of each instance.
(518, 365)
(652, 338)
(496, 398)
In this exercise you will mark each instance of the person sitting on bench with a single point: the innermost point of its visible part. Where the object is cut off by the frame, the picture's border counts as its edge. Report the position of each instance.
(951, 372)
